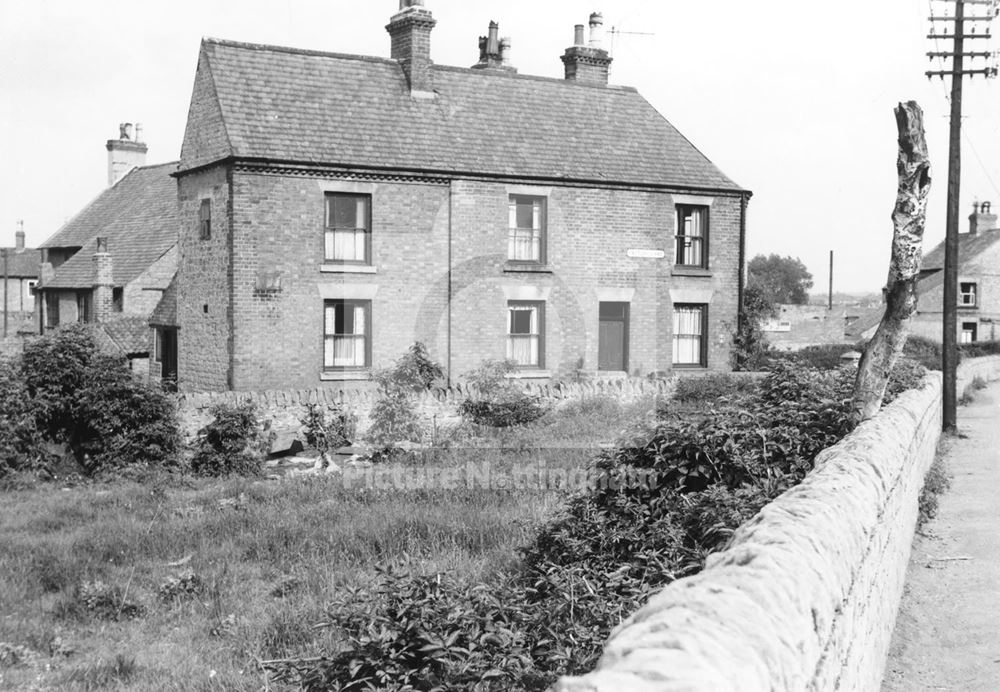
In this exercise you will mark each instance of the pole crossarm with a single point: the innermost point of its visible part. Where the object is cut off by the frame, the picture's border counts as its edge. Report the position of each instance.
(946, 54)
(986, 72)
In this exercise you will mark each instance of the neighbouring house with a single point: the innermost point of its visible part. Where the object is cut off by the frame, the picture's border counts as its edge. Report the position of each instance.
(337, 208)
(795, 327)
(19, 271)
(112, 262)
(978, 316)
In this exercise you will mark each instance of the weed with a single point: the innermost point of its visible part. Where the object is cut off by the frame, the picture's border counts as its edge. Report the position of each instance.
(936, 483)
(103, 675)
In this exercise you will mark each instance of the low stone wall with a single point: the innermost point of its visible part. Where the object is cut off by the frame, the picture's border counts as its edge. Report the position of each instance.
(438, 408)
(805, 596)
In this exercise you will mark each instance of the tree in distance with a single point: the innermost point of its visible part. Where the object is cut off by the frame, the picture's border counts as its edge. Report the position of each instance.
(783, 280)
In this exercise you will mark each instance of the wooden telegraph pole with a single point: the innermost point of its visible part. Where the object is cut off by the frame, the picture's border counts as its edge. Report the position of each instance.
(960, 24)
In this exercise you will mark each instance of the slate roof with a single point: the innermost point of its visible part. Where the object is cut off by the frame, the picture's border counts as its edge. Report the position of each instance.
(290, 105)
(969, 245)
(165, 313)
(138, 215)
(129, 335)
(25, 264)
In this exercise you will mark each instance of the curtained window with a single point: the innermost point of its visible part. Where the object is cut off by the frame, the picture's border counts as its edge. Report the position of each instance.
(690, 327)
(348, 228)
(526, 223)
(346, 334)
(525, 333)
(692, 235)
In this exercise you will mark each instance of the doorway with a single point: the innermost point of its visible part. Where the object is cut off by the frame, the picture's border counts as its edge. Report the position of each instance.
(612, 343)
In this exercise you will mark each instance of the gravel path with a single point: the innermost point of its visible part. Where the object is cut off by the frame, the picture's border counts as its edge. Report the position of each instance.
(947, 634)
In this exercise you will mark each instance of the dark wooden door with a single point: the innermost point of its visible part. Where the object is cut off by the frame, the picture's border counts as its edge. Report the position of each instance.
(168, 371)
(612, 337)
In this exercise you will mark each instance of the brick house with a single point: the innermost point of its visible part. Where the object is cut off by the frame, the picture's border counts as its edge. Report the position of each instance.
(19, 271)
(978, 283)
(112, 262)
(337, 208)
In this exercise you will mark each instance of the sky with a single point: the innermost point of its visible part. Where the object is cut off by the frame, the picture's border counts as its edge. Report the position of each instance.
(793, 100)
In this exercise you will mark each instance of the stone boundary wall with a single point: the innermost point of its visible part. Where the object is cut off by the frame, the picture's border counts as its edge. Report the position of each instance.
(438, 407)
(805, 596)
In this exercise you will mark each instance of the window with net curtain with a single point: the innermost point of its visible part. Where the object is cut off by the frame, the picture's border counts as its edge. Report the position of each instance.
(692, 235)
(689, 335)
(348, 228)
(526, 234)
(525, 333)
(346, 334)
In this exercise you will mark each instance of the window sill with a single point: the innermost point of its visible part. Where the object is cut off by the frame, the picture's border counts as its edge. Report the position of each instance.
(347, 269)
(344, 376)
(680, 270)
(511, 268)
(529, 375)
(690, 366)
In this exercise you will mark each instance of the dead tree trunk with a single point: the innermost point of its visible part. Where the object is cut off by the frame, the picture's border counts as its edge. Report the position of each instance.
(913, 167)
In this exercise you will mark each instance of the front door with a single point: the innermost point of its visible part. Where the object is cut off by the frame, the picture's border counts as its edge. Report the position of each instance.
(168, 358)
(612, 343)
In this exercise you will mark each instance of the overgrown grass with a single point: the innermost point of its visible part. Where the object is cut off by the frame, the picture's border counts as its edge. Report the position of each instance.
(186, 583)
(936, 483)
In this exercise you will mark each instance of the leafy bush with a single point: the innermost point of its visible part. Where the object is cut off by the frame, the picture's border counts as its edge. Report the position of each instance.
(924, 351)
(750, 345)
(711, 387)
(496, 401)
(662, 503)
(92, 402)
(324, 435)
(979, 348)
(394, 415)
(235, 442)
(825, 357)
(20, 439)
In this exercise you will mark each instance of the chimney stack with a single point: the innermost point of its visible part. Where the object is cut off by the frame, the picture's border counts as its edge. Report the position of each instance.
(410, 31)
(19, 237)
(590, 63)
(981, 218)
(494, 52)
(103, 282)
(125, 153)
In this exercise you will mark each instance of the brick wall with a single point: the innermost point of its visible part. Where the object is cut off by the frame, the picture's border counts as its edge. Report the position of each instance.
(806, 594)
(203, 286)
(275, 272)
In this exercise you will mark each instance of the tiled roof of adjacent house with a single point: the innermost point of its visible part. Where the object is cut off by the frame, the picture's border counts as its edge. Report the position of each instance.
(129, 335)
(139, 217)
(165, 313)
(24, 264)
(969, 245)
(282, 104)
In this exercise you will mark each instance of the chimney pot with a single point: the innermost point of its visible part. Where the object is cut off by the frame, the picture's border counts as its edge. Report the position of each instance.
(505, 51)
(578, 35)
(102, 243)
(981, 218)
(597, 30)
(19, 237)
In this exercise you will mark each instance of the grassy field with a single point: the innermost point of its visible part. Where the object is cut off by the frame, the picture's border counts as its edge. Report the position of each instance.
(187, 584)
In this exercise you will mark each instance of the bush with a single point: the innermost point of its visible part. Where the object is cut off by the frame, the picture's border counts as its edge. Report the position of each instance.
(978, 349)
(708, 388)
(234, 443)
(825, 357)
(924, 351)
(20, 439)
(325, 435)
(661, 504)
(92, 402)
(394, 415)
(496, 401)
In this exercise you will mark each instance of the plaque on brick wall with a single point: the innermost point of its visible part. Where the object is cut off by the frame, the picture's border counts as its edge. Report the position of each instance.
(646, 254)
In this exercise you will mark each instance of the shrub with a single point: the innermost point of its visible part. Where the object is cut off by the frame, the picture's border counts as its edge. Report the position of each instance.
(936, 483)
(979, 348)
(825, 357)
(20, 438)
(235, 442)
(661, 504)
(92, 402)
(750, 345)
(324, 435)
(496, 401)
(711, 387)
(924, 351)
(394, 415)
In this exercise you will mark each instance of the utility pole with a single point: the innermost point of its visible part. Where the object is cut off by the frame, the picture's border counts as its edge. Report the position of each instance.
(949, 346)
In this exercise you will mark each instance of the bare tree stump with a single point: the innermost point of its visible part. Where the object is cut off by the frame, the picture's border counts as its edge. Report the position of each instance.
(908, 217)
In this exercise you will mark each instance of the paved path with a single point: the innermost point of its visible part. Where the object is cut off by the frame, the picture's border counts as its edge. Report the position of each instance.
(948, 632)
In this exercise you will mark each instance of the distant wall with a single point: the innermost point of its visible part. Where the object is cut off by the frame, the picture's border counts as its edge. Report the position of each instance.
(437, 408)
(798, 326)
(805, 596)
